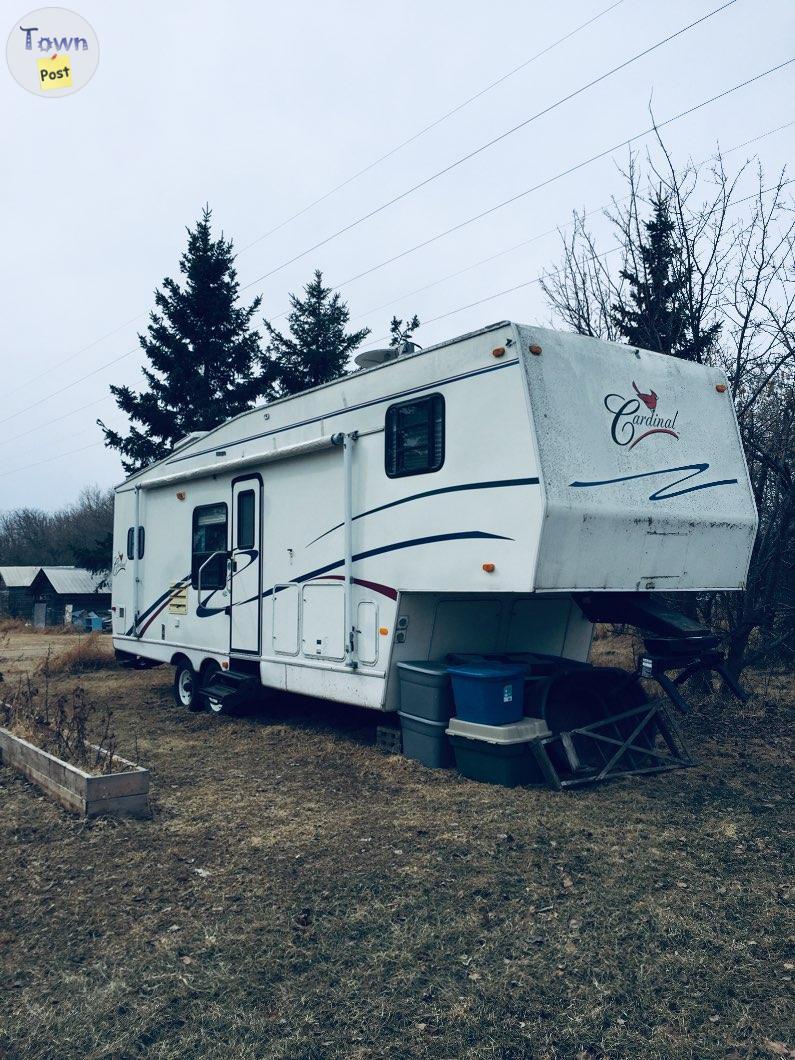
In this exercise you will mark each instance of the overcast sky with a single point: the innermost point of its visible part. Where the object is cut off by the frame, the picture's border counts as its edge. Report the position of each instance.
(259, 109)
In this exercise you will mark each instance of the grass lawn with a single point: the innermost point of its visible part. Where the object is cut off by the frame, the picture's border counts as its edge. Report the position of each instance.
(300, 895)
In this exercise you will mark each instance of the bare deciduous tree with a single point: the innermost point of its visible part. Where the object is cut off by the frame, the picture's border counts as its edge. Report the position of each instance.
(733, 273)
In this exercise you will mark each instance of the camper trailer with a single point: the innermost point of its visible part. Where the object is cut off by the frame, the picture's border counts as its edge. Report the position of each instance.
(493, 494)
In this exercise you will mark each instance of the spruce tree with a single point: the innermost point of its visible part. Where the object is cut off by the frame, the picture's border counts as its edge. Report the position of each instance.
(204, 356)
(318, 347)
(655, 315)
(400, 334)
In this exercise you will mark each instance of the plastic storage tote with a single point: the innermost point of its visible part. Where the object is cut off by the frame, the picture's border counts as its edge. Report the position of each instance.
(426, 741)
(497, 754)
(425, 690)
(488, 693)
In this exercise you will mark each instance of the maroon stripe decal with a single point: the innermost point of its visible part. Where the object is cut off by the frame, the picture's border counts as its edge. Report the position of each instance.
(654, 430)
(377, 587)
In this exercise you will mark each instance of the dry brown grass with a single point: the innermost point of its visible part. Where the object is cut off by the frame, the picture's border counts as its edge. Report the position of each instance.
(93, 651)
(17, 625)
(299, 896)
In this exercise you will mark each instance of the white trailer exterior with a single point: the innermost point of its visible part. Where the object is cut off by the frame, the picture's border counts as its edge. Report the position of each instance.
(450, 500)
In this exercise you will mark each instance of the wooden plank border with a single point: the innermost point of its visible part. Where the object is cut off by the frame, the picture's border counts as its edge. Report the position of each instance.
(123, 794)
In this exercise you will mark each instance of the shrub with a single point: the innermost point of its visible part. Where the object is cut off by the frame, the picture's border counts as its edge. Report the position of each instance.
(88, 653)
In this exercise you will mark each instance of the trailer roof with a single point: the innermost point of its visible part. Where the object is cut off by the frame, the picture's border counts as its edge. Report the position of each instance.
(184, 443)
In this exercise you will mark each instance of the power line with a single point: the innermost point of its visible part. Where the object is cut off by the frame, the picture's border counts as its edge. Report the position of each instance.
(476, 217)
(458, 309)
(490, 143)
(563, 173)
(49, 459)
(554, 272)
(432, 125)
(448, 276)
(71, 356)
(66, 415)
(69, 386)
(533, 239)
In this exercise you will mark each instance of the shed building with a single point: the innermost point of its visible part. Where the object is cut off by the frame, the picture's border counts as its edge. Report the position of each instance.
(56, 588)
(16, 599)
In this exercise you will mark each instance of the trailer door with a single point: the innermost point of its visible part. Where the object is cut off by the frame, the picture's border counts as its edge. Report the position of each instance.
(245, 608)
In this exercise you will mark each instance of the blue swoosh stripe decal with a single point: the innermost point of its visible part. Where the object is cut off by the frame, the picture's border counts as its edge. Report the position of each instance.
(203, 612)
(496, 484)
(667, 491)
(162, 599)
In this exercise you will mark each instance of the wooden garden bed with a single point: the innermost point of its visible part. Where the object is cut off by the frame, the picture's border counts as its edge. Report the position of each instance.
(123, 793)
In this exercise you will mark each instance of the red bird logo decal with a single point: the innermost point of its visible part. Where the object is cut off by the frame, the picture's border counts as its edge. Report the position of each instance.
(649, 400)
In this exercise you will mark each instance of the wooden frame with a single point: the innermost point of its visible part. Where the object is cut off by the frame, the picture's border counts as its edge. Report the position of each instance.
(121, 794)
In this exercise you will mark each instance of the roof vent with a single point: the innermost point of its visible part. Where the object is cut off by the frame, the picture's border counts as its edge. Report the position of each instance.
(370, 358)
(187, 439)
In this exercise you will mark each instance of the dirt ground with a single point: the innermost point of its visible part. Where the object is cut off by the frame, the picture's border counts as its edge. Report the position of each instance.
(300, 895)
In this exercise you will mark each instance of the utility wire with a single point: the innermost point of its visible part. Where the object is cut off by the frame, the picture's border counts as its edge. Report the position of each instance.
(71, 356)
(450, 312)
(489, 143)
(448, 276)
(459, 309)
(355, 176)
(69, 386)
(563, 173)
(432, 125)
(482, 214)
(556, 272)
(533, 239)
(66, 415)
(49, 459)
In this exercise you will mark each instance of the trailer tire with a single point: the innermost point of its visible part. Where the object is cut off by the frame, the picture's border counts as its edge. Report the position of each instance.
(214, 706)
(186, 687)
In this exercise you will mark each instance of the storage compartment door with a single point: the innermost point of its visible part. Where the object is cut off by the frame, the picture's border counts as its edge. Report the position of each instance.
(323, 607)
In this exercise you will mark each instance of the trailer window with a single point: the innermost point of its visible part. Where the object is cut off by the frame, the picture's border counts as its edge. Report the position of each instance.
(209, 540)
(131, 542)
(414, 437)
(245, 519)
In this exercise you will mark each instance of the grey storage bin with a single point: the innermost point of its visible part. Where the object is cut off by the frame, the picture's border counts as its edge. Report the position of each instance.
(425, 690)
(497, 754)
(426, 741)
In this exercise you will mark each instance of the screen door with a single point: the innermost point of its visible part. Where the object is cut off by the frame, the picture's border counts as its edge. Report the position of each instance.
(246, 564)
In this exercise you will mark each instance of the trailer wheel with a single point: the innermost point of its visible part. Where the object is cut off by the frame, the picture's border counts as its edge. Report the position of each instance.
(215, 706)
(186, 691)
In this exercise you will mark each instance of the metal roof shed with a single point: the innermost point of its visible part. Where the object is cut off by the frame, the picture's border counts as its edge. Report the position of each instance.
(55, 588)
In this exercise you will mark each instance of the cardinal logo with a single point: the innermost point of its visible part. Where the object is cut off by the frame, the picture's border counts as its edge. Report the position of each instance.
(632, 422)
(649, 400)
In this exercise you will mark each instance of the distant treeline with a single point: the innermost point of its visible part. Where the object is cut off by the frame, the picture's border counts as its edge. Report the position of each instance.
(81, 534)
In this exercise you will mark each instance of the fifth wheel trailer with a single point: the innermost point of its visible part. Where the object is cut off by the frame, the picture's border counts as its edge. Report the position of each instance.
(495, 493)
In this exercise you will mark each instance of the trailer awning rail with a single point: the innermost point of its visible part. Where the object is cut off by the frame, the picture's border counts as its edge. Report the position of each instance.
(221, 467)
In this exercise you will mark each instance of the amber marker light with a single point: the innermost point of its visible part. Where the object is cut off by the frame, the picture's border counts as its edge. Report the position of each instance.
(383, 631)
(535, 349)
(721, 388)
(488, 568)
